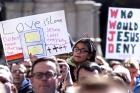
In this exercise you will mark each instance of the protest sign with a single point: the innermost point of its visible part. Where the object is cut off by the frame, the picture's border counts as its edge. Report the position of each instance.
(41, 35)
(123, 33)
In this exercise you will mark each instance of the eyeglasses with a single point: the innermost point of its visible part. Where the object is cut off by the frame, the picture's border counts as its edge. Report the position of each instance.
(83, 50)
(39, 75)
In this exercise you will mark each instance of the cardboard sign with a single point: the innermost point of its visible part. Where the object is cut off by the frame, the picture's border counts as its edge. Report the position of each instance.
(41, 35)
(123, 33)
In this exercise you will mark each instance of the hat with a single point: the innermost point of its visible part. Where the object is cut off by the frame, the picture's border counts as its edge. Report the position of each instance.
(5, 74)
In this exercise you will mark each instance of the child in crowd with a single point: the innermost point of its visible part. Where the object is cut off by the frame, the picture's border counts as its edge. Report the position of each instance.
(83, 51)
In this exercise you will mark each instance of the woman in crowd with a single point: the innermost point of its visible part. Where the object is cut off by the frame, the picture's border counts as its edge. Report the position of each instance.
(133, 66)
(83, 51)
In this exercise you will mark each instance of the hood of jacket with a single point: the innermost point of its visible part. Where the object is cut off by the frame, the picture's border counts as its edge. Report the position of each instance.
(26, 83)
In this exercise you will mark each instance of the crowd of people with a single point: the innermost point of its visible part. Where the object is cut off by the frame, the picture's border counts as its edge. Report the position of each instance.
(83, 72)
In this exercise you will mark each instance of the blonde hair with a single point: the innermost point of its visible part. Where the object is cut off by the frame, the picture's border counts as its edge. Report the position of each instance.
(131, 62)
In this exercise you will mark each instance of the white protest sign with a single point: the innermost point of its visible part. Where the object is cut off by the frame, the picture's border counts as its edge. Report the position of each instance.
(123, 33)
(41, 35)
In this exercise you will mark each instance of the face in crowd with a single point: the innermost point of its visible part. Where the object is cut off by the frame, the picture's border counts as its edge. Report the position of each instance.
(87, 69)
(84, 50)
(44, 76)
(133, 66)
(19, 73)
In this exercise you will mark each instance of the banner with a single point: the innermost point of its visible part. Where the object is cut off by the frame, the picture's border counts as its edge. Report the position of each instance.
(123, 33)
(41, 35)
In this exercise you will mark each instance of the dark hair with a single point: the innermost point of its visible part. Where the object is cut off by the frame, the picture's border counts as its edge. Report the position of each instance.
(89, 66)
(44, 60)
(124, 78)
(90, 45)
(101, 83)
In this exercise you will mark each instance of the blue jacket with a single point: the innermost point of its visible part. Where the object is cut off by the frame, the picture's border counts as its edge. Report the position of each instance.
(137, 85)
(26, 87)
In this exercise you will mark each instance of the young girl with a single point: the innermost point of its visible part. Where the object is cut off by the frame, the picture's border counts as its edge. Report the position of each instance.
(83, 51)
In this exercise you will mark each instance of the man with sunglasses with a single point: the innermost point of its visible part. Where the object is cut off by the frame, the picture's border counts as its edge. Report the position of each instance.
(45, 72)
